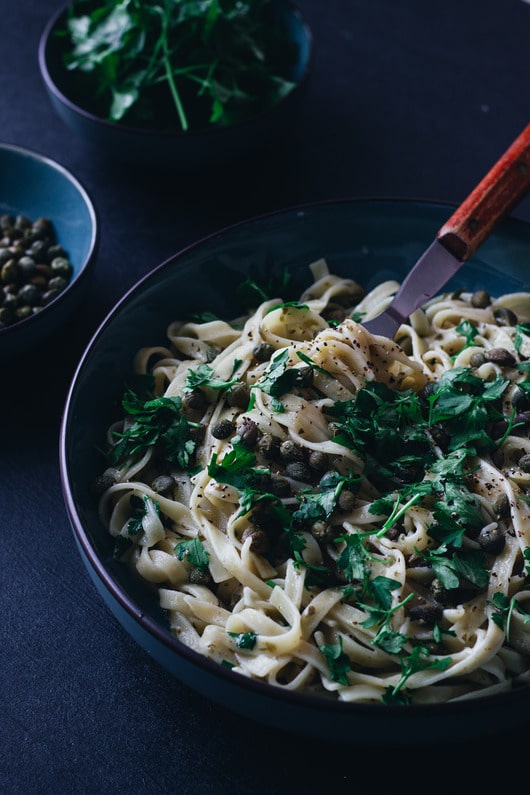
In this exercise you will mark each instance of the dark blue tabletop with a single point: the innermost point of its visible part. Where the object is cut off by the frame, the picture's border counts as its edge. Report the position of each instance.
(407, 99)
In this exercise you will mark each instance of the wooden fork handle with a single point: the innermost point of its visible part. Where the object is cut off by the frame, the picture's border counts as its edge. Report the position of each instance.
(500, 190)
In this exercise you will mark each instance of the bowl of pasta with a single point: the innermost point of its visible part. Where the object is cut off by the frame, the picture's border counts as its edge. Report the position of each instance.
(322, 529)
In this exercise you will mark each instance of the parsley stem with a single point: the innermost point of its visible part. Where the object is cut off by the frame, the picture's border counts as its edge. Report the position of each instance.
(397, 513)
(169, 74)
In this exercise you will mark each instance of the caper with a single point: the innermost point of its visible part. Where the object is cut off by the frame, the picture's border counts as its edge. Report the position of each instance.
(57, 283)
(50, 295)
(520, 398)
(199, 576)
(61, 266)
(480, 299)
(194, 400)
(23, 312)
(163, 484)
(5, 255)
(477, 359)
(290, 451)
(9, 271)
(280, 486)
(298, 470)
(428, 613)
(346, 501)
(269, 445)
(317, 460)
(248, 432)
(41, 228)
(263, 351)
(259, 540)
(501, 356)
(223, 429)
(305, 376)
(54, 250)
(26, 266)
(6, 221)
(37, 249)
(501, 506)
(524, 462)
(238, 395)
(29, 294)
(504, 316)
(492, 539)
(6, 315)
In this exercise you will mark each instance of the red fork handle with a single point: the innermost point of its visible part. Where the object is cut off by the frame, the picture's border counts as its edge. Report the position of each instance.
(500, 190)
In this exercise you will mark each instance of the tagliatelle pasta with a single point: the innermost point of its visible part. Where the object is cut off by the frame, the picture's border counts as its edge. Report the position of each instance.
(331, 511)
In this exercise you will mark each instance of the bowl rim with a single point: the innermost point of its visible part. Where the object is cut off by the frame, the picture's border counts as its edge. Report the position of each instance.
(89, 259)
(167, 134)
(306, 700)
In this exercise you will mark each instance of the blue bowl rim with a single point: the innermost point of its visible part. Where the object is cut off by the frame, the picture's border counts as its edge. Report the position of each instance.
(127, 129)
(298, 700)
(84, 267)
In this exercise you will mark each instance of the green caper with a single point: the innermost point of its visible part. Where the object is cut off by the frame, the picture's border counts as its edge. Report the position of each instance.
(26, 265)
(9, 271)
(29, 294)
(50, 295)
(5, 255)
(23, 312)
(480, 299)
(504, 316)
(6, 315)
(57, 283)
(524, 462)
(477, 359)
(61, 266)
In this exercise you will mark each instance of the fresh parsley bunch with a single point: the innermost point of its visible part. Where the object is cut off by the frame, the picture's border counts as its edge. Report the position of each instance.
(178, 63)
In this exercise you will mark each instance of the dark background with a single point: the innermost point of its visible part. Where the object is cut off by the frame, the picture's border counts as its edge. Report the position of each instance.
(408, 99)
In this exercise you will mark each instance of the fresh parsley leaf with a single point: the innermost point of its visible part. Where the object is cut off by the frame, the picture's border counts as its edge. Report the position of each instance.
(194, 551)
(156, 421)
(244, 640)
(338, 662)
(419, 659)
(204, 376)
(319, 504)
(279, 378)
(234, 467)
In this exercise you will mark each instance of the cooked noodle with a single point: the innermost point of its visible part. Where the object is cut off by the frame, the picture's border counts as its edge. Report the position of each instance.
(331, 511)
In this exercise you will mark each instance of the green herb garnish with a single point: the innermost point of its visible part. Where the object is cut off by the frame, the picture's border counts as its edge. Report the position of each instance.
(179, 63)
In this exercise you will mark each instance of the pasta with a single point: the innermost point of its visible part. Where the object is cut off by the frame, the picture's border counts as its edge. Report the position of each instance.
(331, 511)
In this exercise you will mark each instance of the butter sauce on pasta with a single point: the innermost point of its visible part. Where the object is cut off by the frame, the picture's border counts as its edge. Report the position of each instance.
(331, 511)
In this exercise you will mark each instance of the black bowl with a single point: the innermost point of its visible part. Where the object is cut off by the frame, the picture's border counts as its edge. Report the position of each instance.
(195, 148)
(369, 241)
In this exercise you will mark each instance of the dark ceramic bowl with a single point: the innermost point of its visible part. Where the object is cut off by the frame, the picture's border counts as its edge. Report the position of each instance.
(35, 186)
(369, 241)
(190, 149)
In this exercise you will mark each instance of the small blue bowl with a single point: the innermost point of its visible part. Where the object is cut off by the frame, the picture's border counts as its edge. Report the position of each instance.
(35, 186)
(369, 241)
(193, 148)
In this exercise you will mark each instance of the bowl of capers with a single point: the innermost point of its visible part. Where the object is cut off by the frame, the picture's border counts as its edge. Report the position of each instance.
(48, 241)
(173, 86)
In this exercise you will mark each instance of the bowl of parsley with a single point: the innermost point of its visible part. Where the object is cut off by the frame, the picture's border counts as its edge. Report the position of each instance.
(320, 529)
(180, 83)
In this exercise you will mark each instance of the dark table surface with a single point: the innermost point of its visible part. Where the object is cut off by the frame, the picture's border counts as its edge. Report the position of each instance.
(411, 99)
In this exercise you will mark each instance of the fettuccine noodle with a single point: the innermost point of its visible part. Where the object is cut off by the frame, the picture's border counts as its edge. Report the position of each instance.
(331, 511)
